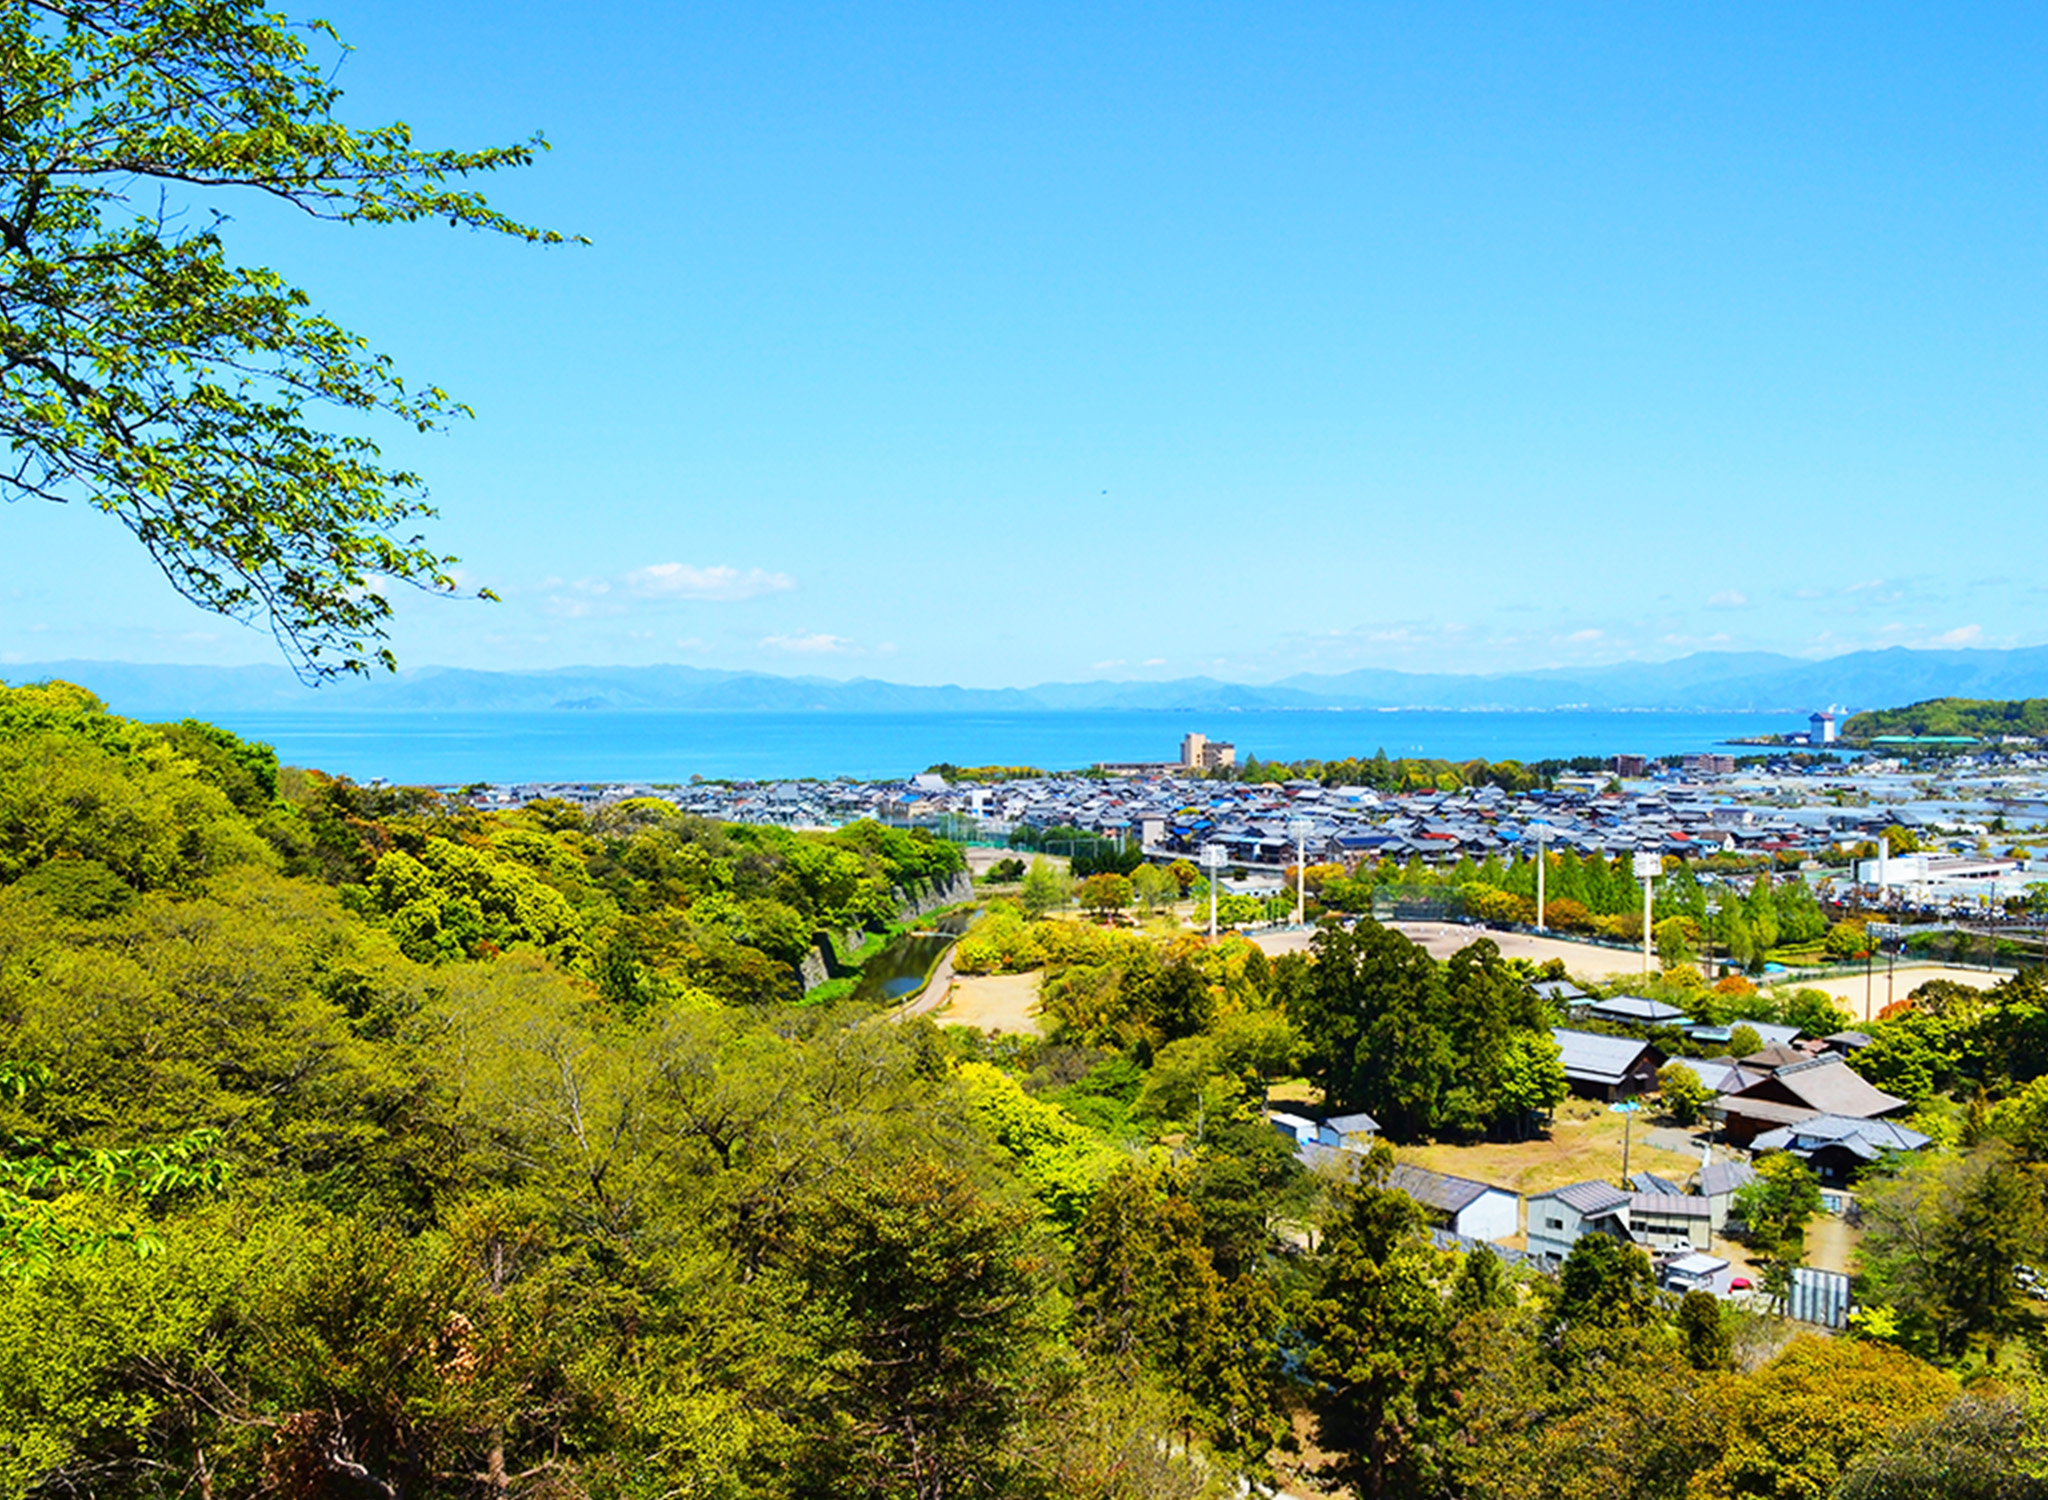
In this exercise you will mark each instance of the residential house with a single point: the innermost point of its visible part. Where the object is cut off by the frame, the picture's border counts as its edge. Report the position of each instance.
(1633, 1010)
(1838, 1148)
(1559, 1217)
(1798, 1092)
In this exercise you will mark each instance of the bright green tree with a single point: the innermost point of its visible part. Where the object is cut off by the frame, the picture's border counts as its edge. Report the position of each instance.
(148, 375)
(1684, 1093)
(1105, 894)
(1947, 1237)
(927, 1307)
(1044, 888)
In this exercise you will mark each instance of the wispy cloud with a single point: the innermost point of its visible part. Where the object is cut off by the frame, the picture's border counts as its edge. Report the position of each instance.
(674, 580)
(814, 644)
(1728, 599)
(1962, 635)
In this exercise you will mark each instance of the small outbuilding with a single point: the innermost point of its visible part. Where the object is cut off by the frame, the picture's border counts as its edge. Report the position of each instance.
(1698, 1272)
(1475, 1210)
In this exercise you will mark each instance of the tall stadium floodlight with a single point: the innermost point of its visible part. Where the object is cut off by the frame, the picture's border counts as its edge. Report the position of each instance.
(1649, 865)
(1299, 827)
(1212, 858)
(1542, 833)
(1713, 910)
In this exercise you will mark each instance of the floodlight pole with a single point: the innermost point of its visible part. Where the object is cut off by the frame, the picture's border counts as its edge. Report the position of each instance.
(1212, 856)
(1646, 926)
(1300, 832)
(1541, 834)
(1649, 865)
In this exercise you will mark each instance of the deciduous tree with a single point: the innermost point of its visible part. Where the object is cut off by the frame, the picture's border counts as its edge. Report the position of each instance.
(145, 374)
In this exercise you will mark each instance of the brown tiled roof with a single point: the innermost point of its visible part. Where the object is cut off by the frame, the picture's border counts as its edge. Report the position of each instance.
(1830, 1086)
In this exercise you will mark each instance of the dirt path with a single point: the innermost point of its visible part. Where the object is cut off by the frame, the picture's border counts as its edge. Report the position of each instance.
(934, 994)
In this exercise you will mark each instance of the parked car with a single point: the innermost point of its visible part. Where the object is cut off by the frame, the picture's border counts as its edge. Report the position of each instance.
(1739, 1284)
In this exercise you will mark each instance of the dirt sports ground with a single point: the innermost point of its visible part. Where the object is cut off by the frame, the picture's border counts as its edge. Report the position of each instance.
(1442, 939)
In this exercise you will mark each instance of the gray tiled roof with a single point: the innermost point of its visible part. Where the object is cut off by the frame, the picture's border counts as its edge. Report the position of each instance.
(1830, 1085)
(1868, 1139)
(1720, 1177)
(1602, 1059)
(1589, 1198)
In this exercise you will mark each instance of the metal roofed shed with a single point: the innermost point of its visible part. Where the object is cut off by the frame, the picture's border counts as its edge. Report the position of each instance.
(1476, 1210)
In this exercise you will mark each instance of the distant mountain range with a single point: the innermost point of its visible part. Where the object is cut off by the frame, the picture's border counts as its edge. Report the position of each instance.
(1708, 682)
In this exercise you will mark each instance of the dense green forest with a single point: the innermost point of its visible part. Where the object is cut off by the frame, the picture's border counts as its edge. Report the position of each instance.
(1982, 717)
(355, 1145)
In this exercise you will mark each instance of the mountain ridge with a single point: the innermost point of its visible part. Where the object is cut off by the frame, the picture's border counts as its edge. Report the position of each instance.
(1761, 682)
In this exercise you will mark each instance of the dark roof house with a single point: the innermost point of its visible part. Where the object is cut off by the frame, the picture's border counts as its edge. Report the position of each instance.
(1607, 1067)
(1838, 1148)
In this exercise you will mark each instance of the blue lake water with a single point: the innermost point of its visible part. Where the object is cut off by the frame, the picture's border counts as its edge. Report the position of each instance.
(443, 749)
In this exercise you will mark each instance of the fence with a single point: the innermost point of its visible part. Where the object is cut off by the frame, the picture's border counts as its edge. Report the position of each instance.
(1818, 1297)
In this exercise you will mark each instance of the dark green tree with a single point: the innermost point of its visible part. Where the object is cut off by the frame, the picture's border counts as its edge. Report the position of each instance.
(1377, 1328)
(925, 1304)
(1777, 1207)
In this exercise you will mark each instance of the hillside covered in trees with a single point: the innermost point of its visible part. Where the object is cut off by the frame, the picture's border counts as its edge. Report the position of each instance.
(1977, 717)
(355, 1145)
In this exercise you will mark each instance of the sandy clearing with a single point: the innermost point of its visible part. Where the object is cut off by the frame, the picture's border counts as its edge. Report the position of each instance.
(1584, 1142)
(992, 1002)
(1859, 994)
(980, 858)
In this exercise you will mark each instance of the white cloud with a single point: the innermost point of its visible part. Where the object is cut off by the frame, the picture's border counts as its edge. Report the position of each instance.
(1585, 637)
(1962, 635)
(672, 580)
(815, 644)
(1728, 599)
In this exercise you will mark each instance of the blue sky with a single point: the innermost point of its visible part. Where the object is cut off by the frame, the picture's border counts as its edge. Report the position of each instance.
(999, 344)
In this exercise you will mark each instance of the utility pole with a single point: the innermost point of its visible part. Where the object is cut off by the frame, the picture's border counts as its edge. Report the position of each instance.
(1542, 833)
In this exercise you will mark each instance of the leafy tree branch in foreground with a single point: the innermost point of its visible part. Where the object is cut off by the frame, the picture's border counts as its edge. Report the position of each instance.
(144, 373)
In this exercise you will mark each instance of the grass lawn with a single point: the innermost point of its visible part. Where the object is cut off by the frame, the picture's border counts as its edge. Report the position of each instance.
(1584, 1143)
